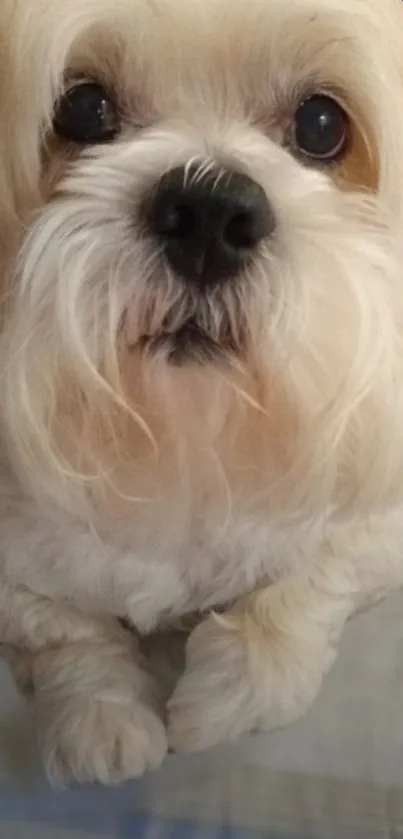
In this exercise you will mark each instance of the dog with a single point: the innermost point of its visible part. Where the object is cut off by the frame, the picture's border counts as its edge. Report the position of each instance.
(201, 217)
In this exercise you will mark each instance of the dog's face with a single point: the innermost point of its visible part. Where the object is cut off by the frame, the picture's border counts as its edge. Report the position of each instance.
(202, 207)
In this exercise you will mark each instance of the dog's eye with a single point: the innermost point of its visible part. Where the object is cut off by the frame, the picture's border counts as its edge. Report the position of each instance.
(86, 114)
(321, 129)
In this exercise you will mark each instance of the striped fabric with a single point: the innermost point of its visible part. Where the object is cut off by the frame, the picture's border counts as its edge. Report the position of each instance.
(250, 805)
(337, 774)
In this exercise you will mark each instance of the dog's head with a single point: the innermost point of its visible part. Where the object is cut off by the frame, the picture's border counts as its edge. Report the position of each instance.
(201, 211)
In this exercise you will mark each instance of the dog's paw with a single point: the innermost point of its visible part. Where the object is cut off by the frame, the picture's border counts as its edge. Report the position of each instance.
(86, 739)
(238, 678)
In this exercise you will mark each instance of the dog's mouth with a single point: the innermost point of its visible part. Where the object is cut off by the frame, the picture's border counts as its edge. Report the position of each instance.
(188, 343)
(209, 331)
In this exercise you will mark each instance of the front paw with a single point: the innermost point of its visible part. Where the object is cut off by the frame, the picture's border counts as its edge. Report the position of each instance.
(240, 676)
(90, 739)
(98, 713)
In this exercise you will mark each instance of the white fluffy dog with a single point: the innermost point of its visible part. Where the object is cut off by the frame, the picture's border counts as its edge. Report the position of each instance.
(202, 357)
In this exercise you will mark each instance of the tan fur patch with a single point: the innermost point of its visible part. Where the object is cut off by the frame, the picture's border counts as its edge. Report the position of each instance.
(359, 167)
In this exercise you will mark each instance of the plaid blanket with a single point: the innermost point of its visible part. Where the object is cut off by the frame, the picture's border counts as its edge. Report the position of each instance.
(198, 805)
(337, 774)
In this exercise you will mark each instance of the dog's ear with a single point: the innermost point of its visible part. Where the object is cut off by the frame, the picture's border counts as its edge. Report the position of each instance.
(390, 12)
(7, 94)
(5, 83)
(19, 133)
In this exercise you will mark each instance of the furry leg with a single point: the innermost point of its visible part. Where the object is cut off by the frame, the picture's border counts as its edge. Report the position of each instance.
(96, 709)
(262, 664)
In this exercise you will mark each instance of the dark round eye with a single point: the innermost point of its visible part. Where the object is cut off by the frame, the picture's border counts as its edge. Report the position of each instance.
(321, 128)
(86, 114)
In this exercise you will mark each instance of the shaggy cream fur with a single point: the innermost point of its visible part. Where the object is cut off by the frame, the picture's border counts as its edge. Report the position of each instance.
(270, 478)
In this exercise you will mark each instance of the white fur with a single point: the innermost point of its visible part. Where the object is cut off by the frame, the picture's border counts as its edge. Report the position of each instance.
(132, 488)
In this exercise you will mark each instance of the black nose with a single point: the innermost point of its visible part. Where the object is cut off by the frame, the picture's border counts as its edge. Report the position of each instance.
(209, 224)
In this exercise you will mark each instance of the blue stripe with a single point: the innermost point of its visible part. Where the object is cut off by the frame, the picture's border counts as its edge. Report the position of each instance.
(144, 826)
(111, 813)
(90, 809)
(121, 813)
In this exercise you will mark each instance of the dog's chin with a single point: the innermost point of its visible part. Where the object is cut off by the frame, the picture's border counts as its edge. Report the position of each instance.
(189, 343)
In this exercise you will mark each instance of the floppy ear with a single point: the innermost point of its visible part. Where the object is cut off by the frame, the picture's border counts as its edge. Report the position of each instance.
(384, 19)
(8, 160)
(19, 130)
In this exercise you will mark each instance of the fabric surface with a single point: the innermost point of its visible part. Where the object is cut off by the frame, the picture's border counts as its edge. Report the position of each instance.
(336, 774)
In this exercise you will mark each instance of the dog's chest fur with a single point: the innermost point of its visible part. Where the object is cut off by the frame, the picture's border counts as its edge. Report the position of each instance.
(144, 568)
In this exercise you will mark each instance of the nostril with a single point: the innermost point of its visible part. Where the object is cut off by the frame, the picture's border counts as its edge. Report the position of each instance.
(241, 231)
(179, 221)
(173, 219)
